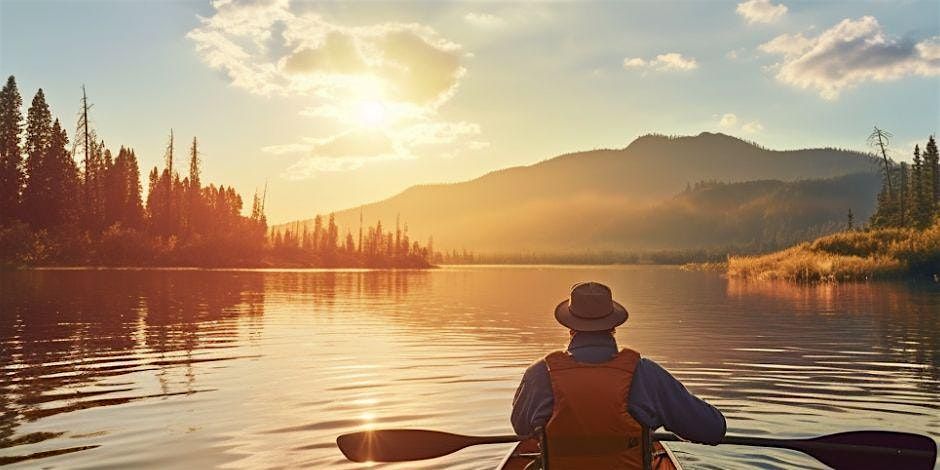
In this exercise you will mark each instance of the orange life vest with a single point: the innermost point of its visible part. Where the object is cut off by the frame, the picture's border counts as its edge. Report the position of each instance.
(590, 427)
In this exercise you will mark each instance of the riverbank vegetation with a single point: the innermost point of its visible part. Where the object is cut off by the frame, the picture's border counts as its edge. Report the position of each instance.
(81, 204)
(849, 256)
(902, 239)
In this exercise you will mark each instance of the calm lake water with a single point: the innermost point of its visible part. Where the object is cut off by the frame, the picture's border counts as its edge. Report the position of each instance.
(248, 369)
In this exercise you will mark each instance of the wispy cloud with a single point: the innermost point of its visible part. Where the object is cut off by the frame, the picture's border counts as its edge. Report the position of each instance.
(672, 61)
(761, 11)
(752, 127)
(850, 53)
(484, 20)
(266, 48)
(730, 121)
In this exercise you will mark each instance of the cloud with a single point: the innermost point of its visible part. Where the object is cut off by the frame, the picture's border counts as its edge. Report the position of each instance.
(633, 62)
(345, 151)
(307, 168)
(313, 56)
(752, 127)
(736, 54)
(339, 54)
(850, 53)
(663, 62)
(353, 149)
(484, 20)
(728, 120)
(761, 11)
(787, 44)
(405, 71)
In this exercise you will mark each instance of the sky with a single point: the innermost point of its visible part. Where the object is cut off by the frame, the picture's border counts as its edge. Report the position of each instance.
(337, 104)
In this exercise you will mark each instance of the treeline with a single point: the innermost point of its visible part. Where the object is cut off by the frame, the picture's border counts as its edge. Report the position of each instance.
(595, 257)
(371, 247)
(910, 193)
(55, 212)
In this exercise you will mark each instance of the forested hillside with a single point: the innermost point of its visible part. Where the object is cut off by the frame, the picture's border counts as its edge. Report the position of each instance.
(625, 199)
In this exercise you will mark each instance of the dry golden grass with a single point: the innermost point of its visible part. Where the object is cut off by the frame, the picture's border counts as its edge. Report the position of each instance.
(849, 256)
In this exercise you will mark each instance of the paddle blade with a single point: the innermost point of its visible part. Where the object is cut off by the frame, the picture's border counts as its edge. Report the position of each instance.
(874, 449)
(401, 445)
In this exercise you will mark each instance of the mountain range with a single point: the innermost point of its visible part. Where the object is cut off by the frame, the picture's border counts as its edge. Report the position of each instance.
(660, 192)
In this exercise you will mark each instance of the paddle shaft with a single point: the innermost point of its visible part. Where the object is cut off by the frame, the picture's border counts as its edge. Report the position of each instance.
(477, 440)
(806, 445)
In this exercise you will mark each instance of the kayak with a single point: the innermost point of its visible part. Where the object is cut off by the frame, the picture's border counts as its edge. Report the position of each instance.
(663, 458)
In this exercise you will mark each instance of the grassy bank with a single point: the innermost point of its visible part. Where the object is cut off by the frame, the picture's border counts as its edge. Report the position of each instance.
(849, 256)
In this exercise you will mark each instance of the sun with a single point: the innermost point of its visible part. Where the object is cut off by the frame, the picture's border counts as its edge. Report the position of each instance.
(372, 113)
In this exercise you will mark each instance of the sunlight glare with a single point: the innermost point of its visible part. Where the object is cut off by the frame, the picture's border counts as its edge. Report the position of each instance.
(372, 113)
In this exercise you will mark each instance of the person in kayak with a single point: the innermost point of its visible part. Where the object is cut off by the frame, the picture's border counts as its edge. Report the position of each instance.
(593, 406)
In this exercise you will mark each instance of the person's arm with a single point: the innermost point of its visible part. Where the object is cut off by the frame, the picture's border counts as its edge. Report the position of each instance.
(658, 399)
(532, 404)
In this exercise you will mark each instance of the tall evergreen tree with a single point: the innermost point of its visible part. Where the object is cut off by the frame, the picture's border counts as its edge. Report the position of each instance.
(887, 210)
(63, 183)
(97, 166)
(193, 192)
(903, 195)
(155, 210)
(11, 158)
(38, 137)
(132, 214)
(932, 172)
(332, 234)
(194, 170)
(919, 198)
(123, 190)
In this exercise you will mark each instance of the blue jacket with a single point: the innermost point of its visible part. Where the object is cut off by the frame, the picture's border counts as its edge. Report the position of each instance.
(656, 397)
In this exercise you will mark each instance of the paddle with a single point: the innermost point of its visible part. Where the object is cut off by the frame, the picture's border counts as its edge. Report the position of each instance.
(850, 450)
(402, 445)
(842, 451)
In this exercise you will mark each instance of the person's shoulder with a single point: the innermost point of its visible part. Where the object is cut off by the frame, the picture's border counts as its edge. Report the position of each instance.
(537, 367)
(536, 372)
(651, 371)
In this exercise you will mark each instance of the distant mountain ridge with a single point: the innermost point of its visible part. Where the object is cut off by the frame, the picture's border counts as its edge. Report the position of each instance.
(611, 198)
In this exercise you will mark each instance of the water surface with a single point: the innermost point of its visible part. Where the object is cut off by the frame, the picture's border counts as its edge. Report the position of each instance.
(263, 369)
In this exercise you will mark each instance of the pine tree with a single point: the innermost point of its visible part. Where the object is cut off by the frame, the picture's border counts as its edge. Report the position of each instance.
(350, 245)
(11, 158)
(133, 213)
(903, 195)
(932, 173)
(194, 171)
(318, 233)
(64, 188)
(886, 210)
(97, 166)
(850, 222)
(920, 198)
(38, 137)
(123, 190)
(193, 192)
(332, 234)
(155, 197)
